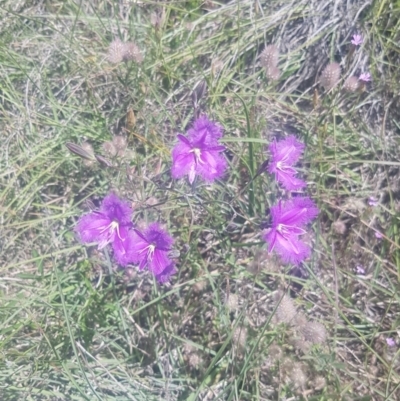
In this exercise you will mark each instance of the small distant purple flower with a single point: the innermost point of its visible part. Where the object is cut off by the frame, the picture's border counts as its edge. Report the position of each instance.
(109, 225)
(285, 154)
(357, 40)
(390, 342)
(365, 77)
(198, 153)
(360, 269)
(150, 249)
(378, 235)
(288, 220)
(372, 201)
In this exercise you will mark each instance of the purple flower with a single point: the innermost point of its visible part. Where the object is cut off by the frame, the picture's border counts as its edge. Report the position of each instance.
(199, 152)
(285, 153)
(360, 269)
(372, 201)
(378, 235)
(288, 221)
(150, 249)
(390, 342)
(365, 77)
(109, 225)
(357, 40)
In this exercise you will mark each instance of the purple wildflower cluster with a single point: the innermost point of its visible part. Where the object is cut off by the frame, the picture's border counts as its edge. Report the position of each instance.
(198, 153)
(290, 217)
(112, 224)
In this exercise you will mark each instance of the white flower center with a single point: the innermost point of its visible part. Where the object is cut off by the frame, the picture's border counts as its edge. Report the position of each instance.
(197, 155)
(150, 251)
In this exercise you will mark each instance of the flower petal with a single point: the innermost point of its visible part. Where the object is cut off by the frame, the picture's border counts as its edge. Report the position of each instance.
(159, 262)
(92, 227)
(165, 275)
(212, 167)
(116, 209)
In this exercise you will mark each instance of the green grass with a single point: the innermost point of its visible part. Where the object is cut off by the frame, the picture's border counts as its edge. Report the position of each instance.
(74, 326)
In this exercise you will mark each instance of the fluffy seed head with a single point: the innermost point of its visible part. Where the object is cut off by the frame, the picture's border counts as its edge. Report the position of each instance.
(116, 51)
(298, 376)
(273, 73)
(270, 57)
(330, 76)
(314, 332)
(132, 52)
(239, 336)
(286, 310)
(300, 320)
(339, 227)
(232, 302)
(157, 19)
(302, 345)
(351, 84)
(109, 148)
(319, 383)
(275, 353)
(120, 51)
(89, 149)
(119, 142)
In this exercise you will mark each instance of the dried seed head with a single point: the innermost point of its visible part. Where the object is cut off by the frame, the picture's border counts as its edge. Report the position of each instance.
(269, 58)
(157, 19)
(232, 302)
(130, 274)
(116, 51)
(298, 376)
(275, 353)
(351, 84)
(300, 320)
(216, 66)
(239, 336)
(119, 142)
(87, 147)
(132, 52)
(314, 332)
(339, 227)
(273, 73)
(286, 366)
(199, 287)
(319, 383)
(130, 119)
(109, 148)
(302, 345)
(194, 360)
(330, 76)
(286, 310)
